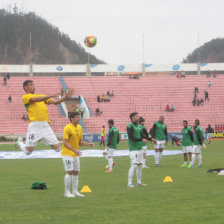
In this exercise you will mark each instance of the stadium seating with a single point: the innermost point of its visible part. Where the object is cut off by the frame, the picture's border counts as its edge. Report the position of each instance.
(148, 95)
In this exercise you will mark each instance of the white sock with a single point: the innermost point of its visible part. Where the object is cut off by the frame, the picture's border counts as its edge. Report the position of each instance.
(110, 163)
(185, 162)
(193, 159)
(143, 162)
(67, 181)
(75, 182)
(156, 157)
(131, 173)
(139, 174)
(199, 159)
(160, 156)
(23, 148)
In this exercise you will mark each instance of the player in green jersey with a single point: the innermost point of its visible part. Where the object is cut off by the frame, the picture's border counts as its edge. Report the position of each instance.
(187, 142)
(113, 140)
(160, 138)
(198, 142)
(146, 135)
(135, 141)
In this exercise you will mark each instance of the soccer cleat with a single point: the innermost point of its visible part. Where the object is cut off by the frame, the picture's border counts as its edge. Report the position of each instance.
(145, 167)
(108, 171)
(78, 194)
(69, 195)
(142, 185)
(18, 141)
(190, 166)
(131, 185)
(183, 165)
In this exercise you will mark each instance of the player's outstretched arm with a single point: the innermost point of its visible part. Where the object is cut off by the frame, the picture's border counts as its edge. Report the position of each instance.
(42, 98)
(86, 143)
(67, 96)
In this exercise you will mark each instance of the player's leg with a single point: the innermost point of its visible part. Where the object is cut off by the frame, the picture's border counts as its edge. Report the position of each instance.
(199, 156)
(133, 157)
(68, 165)
(156, 156)
(160, 154)
(26, 149)
(110, 159)
(75, 177)
(185, 159)
(139, 169)
(144, 148)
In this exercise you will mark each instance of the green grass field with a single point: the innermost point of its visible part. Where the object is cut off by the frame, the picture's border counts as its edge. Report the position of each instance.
(194, 197)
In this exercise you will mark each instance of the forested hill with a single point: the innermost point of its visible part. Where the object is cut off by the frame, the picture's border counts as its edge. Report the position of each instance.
(210, 52)
(49, 45)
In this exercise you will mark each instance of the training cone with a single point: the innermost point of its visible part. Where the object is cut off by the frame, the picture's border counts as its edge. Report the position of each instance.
(167, 179)
(86, 189)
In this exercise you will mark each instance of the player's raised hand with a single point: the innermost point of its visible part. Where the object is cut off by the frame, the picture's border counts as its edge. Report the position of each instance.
(68, 95)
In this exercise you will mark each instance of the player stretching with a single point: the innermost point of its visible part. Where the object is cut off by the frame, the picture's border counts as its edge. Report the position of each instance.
(187, 142)
(38, 128)
(144, 145)
(136, 153)
(198, 142)
(113, 140)
(160, 138)
(72, 139)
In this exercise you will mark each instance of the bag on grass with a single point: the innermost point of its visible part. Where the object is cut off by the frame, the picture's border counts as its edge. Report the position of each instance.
(39, 186)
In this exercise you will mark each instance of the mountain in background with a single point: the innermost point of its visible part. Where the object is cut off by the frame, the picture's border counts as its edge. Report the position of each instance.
(49, 45)
(210, 52)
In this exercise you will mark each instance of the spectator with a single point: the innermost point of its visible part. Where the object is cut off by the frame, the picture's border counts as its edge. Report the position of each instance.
(25, 117)
(196, 91)
(10, 99)
(66, 89)
(209, 83)
(194, 102)
(214, 73)
(202, 102)
(167, 108)
(82, 112)
(4, 81)
(172, 108)
(112, 93)
(62, 92)
(103, 98)
(108, 93)
(198, 102)
(98, 112)
(107, 98)
(77, 109)
(178, 74)
(208, 73)
(182, 74)
(98, 99)
(206, 95)
(8, 76)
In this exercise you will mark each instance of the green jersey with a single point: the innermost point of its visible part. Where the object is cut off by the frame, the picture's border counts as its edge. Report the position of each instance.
(143, 129)
(187, 136)
(134, 137)
(159, 131)
(198, 136)
(113, 138)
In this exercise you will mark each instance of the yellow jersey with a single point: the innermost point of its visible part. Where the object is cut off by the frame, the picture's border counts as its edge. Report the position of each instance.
(74, 135)
(37, 111)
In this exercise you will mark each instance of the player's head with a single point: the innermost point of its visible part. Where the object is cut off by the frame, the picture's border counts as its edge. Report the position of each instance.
(141, 121)
(185, 123)
(103, 126)
(134, 117)
(197, 122)
(161, 119)
(111, 123)
(74, 118)
(28, 86)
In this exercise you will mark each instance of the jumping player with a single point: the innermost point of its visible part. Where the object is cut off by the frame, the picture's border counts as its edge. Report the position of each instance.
(160, 138)
(39, 128)
(72, 139)
(136, 153)
(113, 140)
(187, 142)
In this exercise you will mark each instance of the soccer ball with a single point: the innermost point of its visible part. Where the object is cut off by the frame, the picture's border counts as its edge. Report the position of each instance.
(90, 41)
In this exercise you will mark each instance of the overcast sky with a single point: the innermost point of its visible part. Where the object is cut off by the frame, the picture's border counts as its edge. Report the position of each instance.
(170, 27)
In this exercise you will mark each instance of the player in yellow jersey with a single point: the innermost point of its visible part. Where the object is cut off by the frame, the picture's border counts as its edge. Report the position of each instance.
(39, 128)
(72, 139)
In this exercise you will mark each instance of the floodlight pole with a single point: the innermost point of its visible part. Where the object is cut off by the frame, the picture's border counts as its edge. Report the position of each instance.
(143, 55)
(30, 54)
(88, 71)
(199, 68)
